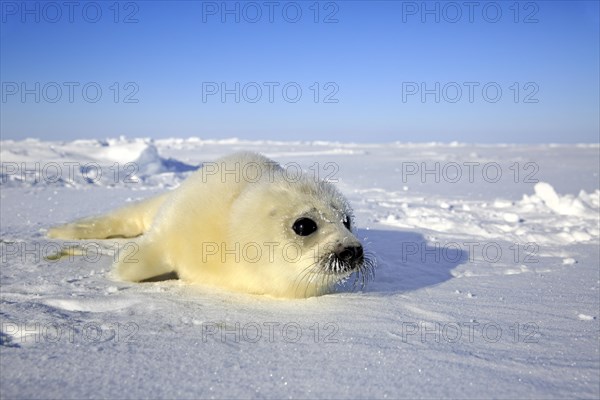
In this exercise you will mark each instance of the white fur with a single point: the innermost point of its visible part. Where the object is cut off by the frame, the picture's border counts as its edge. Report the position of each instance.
(231, 230)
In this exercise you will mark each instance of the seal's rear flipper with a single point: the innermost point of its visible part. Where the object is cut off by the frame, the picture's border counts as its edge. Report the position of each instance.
(130, 221)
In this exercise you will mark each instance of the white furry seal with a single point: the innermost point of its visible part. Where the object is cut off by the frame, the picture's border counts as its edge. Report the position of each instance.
(241, 224)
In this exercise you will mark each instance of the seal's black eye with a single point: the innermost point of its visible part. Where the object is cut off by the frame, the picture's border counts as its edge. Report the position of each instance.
(347, 222)
(304, 226)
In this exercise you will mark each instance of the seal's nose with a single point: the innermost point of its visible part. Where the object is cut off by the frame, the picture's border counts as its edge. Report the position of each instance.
(351, 253)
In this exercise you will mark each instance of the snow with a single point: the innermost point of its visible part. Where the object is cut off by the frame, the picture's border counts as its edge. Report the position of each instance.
(565, 205)
(487, 282)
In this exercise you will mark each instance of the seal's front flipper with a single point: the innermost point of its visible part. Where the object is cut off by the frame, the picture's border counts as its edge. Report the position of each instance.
(142, 262)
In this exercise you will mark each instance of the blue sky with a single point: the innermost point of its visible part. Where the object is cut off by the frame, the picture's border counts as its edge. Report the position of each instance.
(522, 72)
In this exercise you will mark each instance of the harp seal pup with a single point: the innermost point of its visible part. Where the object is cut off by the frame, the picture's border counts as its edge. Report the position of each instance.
(240, 223)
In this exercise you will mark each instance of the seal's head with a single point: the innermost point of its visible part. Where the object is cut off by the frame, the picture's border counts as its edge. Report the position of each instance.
(308, 231)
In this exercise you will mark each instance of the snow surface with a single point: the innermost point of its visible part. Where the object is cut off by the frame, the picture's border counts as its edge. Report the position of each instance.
(487, 285)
